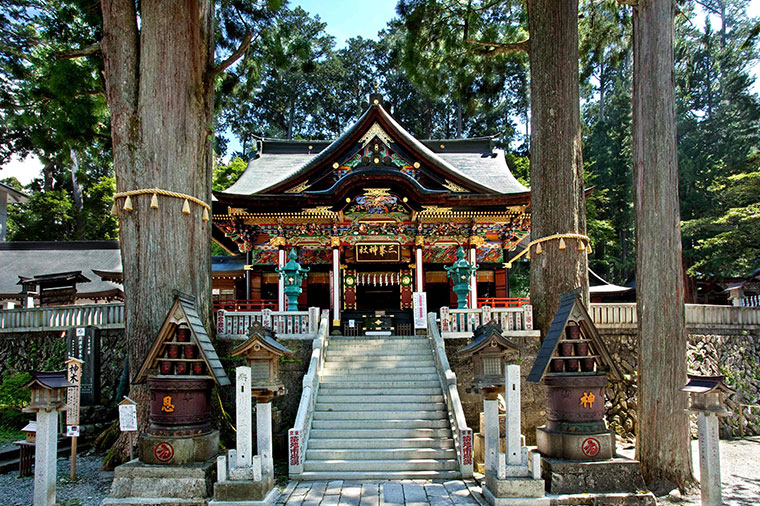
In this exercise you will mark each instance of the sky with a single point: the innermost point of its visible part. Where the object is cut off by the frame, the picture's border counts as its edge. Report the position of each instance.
(345, 19)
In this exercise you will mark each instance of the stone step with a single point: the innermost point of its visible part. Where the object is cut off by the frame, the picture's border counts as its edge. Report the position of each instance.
(426, 359)
(407, 372)
(376, 338)
(417, 442)
(340, 351)
(381, 465)
(380, 415)
(366, 433)
(401, 425)
(381, 454)
(379, 406)
(328, 389)
(363, 397)
(379, 475)
(384, 383)
(372, 365)
(343, 356)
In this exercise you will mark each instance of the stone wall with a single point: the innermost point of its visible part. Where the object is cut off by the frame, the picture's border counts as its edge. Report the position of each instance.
(45, 351)
(735, 356)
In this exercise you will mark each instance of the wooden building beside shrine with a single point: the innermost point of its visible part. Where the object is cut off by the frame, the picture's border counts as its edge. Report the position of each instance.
(375, 215)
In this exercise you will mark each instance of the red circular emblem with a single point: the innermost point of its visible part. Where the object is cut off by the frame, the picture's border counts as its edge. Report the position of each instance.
(590, 447)
(163, 452)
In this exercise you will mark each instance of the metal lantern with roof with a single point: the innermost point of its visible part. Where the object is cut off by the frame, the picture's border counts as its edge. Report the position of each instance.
(488, 350)
(262, 354)
(460, 272)
(48, 391)
(706, 394)
(293, 274)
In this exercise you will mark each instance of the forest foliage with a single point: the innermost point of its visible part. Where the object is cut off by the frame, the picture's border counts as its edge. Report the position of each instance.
(445, 68)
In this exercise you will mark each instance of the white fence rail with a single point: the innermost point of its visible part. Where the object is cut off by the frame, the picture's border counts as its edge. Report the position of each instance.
(698, 316)
(287, 324)
(298, 436)
(462, 322)
(462, 433)
(104, 316)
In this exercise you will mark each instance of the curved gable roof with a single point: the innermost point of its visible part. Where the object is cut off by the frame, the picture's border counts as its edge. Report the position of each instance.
(273, 173)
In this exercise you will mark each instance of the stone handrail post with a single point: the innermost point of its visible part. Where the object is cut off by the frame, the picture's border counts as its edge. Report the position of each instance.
(298, 435)
(462, 433)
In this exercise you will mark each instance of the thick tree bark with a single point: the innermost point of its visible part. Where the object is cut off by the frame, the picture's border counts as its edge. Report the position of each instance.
(161, 123)
(663, 444)
(556, 162)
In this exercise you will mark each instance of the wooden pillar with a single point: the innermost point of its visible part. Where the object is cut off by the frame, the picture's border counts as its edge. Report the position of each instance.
(474, 278)
(281, 280)
(419, 274)
(247, 276)
(335, 281)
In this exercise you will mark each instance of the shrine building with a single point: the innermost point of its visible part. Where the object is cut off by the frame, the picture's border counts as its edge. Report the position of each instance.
(375, 215)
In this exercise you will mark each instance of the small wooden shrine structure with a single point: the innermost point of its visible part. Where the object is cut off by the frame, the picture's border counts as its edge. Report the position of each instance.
(262, 354)
(488, 350)
(375, 215)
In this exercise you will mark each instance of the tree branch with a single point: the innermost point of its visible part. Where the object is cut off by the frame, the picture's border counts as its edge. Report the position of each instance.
(233, 57)
(489, 49)
(79, 53)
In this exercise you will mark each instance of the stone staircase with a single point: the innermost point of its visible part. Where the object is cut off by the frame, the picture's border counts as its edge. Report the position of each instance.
(380, 413)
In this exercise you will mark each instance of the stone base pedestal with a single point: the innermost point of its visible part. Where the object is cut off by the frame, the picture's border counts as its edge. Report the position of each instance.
(573, 477)
(177, 451)
(135, 483)
(582, 447)
(244, 493)
(519, 485)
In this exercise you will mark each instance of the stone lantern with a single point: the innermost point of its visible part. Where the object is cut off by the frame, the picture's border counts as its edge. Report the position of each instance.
(48, 397)
(293, 274)
(488, 350)
(706, 393)
(460, 272)
(262, 354)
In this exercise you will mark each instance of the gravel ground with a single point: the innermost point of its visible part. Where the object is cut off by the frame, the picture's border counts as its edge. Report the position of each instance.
(740, 472)
(90, 487)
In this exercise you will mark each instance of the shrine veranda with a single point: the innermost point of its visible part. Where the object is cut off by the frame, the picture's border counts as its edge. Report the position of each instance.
(375, 215)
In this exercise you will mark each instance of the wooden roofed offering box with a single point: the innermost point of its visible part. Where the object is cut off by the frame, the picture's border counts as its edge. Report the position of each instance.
(573, 363)
(706, 393)
(488, 350)
(572, 344)
(262, 353)
(181, 367)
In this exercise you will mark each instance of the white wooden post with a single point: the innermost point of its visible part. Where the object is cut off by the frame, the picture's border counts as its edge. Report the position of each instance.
(709, 459)
(512, 420)
(45, 455)
(244, 445)
(264, 437)
(336, 286)
(491, 443)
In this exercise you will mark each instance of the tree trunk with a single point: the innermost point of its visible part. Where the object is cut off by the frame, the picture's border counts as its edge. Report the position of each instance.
(556, 164)
(161, 127)
(663, 444)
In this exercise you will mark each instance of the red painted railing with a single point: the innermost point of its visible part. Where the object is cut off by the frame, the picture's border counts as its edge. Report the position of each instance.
(245, 305)
(503, 301)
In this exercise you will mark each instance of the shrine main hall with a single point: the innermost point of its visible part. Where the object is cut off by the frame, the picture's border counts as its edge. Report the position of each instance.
(375, 215)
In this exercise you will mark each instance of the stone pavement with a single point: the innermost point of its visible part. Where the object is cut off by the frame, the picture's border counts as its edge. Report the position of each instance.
(378, 493)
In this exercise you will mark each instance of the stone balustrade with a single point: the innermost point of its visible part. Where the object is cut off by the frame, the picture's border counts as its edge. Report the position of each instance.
(52, 318)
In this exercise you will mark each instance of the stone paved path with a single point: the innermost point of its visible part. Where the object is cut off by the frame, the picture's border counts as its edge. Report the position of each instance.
(380, 493)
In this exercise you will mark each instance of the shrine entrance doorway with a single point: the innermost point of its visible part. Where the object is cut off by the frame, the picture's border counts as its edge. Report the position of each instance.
(374, 298)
